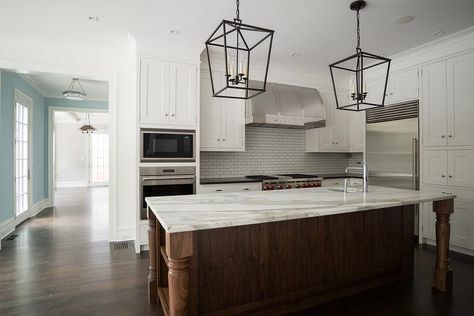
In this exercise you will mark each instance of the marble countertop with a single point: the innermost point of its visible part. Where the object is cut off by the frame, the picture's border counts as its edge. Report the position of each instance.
(207, 211)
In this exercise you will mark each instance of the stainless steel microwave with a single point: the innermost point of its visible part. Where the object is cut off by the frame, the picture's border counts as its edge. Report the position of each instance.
(167, 145)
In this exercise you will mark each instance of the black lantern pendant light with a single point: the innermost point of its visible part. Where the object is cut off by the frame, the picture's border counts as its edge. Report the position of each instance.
(355, 67)
(237, 43)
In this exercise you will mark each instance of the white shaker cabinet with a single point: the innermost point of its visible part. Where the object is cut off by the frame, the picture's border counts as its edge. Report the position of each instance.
(168, 94)
(460, 105)
(435, 167)
(447, 107)
(402, 87)
(154, 92)
(222, 120)
(449, 167)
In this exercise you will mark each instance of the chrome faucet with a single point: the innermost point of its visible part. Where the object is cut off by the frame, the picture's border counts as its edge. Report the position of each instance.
(364, 176)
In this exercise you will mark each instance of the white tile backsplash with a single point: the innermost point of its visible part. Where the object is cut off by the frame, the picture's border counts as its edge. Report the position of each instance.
(271, 151)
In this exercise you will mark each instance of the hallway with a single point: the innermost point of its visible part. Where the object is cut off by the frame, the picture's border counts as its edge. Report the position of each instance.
(61, 263)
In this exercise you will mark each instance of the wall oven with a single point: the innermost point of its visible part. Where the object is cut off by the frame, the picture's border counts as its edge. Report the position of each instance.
(165, 181)
(158, 145)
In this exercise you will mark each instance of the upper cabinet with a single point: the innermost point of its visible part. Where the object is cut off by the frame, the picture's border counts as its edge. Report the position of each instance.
(447, 108)
(402, 86)
(335, 136)
(460, 107)
(222, 119)
(168, 94)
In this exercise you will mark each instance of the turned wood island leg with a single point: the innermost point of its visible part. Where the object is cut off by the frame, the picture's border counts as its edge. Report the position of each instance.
(152, 268)
(442, 274)
(179, 249)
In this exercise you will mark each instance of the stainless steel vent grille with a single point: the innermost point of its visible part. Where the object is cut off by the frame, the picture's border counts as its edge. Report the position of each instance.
(393, 112)
(122, 245)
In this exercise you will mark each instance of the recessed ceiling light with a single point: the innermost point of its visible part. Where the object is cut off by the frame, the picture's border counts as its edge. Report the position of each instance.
(92, 18)
(437, 33)
(174, 32)
(404, 19)
(295, 54)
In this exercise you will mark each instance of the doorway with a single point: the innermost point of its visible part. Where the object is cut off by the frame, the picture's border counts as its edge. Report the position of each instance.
(22, 156)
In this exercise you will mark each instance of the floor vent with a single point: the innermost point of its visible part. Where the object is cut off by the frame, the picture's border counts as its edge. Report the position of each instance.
(122, 245)
(12, 237)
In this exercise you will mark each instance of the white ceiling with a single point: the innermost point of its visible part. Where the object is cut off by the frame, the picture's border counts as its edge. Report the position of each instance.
(52, 85)
(79, 118)
(321, 31)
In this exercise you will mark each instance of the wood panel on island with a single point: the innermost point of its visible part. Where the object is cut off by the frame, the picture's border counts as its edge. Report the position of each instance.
(286, 266)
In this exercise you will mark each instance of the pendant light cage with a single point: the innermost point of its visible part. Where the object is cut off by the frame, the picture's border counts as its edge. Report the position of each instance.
(354, 69)
(231, 51)
(87, 128)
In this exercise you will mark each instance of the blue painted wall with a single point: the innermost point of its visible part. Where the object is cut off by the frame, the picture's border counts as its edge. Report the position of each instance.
(59, 102)
(10, 81)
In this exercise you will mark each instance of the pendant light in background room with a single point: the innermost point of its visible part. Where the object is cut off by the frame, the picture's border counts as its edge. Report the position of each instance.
(87, 128)
(355, 68)
(237, 75)
(73, 93)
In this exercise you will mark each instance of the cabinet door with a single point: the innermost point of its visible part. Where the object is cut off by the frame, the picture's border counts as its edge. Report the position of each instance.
(233, 124)
(460, 79)
(435, 164)
(404, 86)
(183, 93)
(375, 90)
(154, 92)
(341, 130)
(210, 116)
(326, 133)
(461, 168)
(434, 104)
(357, 131)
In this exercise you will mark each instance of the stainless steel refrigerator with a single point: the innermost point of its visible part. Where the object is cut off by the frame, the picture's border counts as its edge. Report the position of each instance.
(393, 148)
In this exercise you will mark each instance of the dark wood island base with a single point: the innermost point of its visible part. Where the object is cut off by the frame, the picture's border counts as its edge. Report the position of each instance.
(281, 267)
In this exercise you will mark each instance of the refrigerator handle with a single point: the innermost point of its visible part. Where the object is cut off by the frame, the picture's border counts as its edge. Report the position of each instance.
(414, 143)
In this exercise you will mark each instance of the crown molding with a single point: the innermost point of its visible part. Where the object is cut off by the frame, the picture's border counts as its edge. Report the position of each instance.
(33, 83)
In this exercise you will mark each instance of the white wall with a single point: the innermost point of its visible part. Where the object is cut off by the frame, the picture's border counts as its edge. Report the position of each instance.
(71, 156)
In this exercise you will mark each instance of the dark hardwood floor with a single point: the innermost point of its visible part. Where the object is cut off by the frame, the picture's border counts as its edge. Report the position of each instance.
(61, 264)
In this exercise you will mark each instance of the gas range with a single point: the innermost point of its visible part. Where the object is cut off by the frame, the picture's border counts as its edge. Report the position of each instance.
(287, 181)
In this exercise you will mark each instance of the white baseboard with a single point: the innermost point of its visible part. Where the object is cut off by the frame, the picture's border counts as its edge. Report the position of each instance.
(124, 234)
(38, 207)
(6, 228)
(466, 251)
(71, 184)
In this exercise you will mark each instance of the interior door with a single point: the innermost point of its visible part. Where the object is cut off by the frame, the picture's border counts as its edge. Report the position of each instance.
(22, 157)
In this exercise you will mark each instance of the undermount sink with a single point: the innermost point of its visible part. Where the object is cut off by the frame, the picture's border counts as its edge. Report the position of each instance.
(349, 190)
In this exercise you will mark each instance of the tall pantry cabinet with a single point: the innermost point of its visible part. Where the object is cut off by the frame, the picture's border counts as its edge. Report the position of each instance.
(448, 143)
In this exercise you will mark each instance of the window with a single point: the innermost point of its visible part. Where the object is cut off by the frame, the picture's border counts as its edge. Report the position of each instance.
(99, 158)
(21, 156)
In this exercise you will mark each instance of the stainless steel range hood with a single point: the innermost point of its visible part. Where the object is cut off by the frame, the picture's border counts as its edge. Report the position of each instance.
(286, 106)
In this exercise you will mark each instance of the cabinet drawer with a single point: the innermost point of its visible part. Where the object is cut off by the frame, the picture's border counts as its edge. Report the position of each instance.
(229, 187)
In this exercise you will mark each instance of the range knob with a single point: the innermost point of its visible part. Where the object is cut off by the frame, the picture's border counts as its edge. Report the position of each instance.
(288, 186)
(318, 184)
(298, 186)
(271, 187)
(312, 184)
(305, 185)
(266, 187)
(279, 187)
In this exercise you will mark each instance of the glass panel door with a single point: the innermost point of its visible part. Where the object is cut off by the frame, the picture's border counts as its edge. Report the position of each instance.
(99, 161)
(22, 142)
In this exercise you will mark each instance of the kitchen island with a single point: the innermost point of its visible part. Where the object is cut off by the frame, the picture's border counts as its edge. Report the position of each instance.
(276, 252)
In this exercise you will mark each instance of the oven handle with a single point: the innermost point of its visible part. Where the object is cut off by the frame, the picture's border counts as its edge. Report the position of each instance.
(149, 181)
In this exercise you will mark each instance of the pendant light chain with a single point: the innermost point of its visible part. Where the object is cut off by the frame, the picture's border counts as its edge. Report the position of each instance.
(358, 33)
(237, 12)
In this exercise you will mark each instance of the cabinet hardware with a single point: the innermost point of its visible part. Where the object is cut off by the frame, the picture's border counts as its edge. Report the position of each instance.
(391, 93)
(443, 176)
(219, 190)
(450, 176)
(166, 114)
(223, 139)
(442, 136)
(246, 189)
(450, 136)
(172, 115)
(218, 139)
